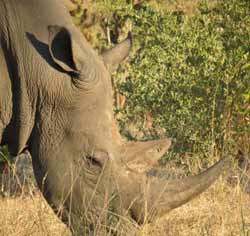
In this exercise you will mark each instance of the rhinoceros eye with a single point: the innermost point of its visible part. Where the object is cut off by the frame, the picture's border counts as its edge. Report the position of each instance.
(92, 161)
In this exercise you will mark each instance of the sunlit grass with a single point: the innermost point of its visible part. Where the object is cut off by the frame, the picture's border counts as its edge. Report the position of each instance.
(222, 210)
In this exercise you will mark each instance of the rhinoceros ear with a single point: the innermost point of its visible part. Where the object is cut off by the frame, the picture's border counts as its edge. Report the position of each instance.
(142, 156)
(114, 56)
(63, 49)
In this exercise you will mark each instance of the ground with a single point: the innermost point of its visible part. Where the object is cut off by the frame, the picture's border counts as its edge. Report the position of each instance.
(222, 210)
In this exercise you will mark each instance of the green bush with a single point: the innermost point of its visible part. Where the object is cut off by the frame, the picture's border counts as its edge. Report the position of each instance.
(190, 76)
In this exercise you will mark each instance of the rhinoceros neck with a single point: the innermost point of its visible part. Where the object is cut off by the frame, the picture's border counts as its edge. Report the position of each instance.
(29, 68)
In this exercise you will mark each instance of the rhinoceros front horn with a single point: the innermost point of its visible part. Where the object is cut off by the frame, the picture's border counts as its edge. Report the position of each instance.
(158, 195)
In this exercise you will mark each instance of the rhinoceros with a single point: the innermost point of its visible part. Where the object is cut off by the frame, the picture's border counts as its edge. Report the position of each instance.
(56, 103)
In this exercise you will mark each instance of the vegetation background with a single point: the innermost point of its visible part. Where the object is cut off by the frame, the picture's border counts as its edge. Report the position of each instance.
(187, 78)
(189, 74)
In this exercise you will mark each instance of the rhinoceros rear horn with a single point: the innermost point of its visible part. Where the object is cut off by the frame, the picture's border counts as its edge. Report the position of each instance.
(114, 56)
(64, 50)
(142, 156)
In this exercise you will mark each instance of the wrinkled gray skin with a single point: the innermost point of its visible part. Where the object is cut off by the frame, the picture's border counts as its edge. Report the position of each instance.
(56, 102)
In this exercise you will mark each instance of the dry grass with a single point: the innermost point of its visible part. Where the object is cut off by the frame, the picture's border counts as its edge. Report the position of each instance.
(29, 216)
(221, 210)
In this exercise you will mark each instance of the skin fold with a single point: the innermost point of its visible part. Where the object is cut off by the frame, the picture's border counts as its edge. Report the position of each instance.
(56, 103)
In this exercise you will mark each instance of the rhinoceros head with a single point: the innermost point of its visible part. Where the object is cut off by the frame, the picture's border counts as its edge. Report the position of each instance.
(81, 161)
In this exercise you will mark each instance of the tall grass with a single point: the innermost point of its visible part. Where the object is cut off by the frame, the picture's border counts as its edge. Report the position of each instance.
(223, 210)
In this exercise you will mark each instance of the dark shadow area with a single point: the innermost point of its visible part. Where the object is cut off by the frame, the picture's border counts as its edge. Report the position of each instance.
(43, 50)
